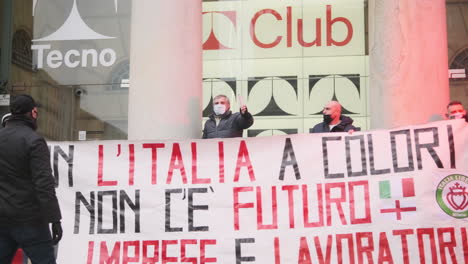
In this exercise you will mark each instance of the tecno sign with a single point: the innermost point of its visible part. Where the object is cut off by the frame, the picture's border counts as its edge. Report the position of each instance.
(73, 29)
(73, 58)
(317, 25)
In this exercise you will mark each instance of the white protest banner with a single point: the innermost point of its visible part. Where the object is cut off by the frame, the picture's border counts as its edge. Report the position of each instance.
(386, 196)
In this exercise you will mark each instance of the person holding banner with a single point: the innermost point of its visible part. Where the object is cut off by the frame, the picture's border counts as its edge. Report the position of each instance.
(225, 124)
(333, 120)
(455, 110)
(28, 202)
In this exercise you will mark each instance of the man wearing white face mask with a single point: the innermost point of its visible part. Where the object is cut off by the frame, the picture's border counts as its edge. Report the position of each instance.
(225, 124)
(455, 110)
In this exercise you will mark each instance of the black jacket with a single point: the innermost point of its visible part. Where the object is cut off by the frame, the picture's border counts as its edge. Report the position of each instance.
(345, 125)
(230, 125)
(27, 187)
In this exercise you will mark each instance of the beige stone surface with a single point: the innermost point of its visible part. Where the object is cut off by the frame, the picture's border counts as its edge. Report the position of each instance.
(408, 62)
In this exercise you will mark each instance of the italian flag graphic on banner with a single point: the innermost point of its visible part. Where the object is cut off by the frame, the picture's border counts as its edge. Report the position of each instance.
(396, 196)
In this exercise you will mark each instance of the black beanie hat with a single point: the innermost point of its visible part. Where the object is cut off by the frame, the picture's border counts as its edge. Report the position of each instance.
(22, 104)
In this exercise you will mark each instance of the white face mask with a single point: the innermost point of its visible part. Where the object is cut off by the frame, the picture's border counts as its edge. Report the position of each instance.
(219, 109)
(457, 116)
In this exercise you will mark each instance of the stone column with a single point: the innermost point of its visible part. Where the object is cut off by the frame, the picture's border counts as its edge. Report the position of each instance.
(408, 62)
(165, 92)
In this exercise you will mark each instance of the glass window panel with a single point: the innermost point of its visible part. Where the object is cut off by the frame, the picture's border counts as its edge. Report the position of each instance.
(73, 57)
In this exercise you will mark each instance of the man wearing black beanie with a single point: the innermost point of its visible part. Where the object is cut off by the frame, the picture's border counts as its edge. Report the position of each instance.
(28, 203)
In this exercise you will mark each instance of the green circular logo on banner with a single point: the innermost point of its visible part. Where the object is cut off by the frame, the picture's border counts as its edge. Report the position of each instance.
(452, 195)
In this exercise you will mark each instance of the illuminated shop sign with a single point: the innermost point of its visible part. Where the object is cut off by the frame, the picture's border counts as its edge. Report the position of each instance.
(322, 27)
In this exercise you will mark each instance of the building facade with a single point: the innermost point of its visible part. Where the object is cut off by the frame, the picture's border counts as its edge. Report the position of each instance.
(284, 59)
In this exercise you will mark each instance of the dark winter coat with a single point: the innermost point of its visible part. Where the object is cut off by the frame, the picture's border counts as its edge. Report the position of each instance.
(230, 125)
(345, 125)
(27, 187)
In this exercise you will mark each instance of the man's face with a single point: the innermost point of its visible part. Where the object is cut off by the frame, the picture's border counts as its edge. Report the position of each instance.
(221, 101)
(455, 110)
(331, 109)
(34, 113)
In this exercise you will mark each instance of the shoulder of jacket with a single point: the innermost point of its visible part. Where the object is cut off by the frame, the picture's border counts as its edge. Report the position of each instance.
(228, 115)
(319, 125)
(346, 120)
(236, 114)
(34, 137)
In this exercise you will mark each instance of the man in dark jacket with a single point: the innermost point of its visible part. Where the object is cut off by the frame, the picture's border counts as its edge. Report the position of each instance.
(225, 124)
(334, 121)
(27, 188)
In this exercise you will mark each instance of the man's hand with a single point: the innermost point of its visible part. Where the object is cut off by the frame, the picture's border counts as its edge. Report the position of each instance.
(57, 232)
(243, 109)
